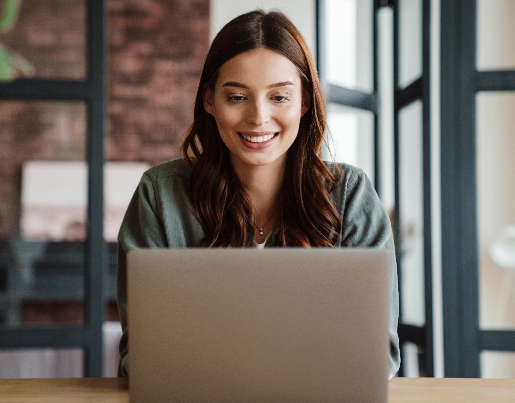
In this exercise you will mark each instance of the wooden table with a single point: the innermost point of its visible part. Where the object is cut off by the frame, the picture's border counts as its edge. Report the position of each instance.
(451, 390)
(61, 390)
(111, 390)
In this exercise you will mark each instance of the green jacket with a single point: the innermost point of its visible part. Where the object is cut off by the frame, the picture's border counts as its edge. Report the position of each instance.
(161, 215)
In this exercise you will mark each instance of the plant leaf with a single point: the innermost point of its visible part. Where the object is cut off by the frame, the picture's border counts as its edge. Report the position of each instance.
(9, 15)
(13, 65)
(6, 71)
(22, 64)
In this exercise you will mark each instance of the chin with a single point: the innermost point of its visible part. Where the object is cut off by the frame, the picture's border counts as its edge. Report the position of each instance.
(266, 161)
(258, 163)
(253, 161)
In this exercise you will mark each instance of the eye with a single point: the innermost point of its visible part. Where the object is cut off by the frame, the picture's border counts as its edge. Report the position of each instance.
(235, 98)
(280, 98)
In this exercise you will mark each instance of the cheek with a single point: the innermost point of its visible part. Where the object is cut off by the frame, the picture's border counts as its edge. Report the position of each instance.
(290, 117)
(226, 118)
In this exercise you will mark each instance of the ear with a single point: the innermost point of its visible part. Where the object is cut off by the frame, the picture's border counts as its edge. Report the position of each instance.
(306, 103)
(208, 101)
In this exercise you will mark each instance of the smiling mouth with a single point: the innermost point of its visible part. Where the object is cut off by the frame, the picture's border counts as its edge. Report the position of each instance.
(258, 139)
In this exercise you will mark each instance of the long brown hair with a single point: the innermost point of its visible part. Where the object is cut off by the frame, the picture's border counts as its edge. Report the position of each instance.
(305, 215)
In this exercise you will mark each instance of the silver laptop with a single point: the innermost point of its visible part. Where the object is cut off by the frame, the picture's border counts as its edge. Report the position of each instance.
(279, 325)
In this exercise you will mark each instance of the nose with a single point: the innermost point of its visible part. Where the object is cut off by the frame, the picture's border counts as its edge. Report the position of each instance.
(258, 113)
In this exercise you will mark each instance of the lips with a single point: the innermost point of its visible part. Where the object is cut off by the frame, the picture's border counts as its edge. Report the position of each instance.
(258, 140)
(258, 137)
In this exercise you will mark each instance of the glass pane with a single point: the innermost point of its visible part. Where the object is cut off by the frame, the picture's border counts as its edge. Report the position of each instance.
(495, 143)
(47, 39)
(42, 363)
(412, 360)
(350, 138)
(497, 364)
(386, 109)
(495, 34)
(410, 46)
(42, 212)
(411, 215)
(349, 50)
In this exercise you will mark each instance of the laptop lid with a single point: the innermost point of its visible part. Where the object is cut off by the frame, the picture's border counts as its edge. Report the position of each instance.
(280, 325)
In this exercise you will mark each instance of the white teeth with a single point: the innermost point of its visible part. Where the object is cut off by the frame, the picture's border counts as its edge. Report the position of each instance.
(259, 139)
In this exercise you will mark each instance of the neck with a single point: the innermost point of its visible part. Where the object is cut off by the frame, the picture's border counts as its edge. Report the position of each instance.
(263, 183)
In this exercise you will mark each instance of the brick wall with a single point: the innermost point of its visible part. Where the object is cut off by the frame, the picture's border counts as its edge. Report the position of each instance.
(156, 50)
(156, 53)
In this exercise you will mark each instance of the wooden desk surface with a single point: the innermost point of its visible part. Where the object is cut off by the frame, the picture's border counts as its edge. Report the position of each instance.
(111, 390)
(61, 390)
(451, 390)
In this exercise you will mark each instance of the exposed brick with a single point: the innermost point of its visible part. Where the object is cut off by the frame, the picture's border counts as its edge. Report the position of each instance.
(157, 51)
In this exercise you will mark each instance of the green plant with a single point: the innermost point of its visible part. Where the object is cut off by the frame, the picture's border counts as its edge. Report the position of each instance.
(11, 64)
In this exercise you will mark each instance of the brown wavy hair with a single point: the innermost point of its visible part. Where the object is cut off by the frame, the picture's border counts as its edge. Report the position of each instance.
(305, 215)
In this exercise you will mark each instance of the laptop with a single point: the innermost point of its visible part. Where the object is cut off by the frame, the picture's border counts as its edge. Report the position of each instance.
(247, 325)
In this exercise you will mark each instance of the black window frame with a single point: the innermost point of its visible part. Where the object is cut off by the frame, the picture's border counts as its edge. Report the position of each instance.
(460, 83)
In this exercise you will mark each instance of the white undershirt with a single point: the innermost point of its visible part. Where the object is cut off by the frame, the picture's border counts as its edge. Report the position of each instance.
(260, 245)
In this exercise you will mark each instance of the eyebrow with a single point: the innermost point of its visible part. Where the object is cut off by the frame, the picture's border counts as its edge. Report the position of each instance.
(239, 85)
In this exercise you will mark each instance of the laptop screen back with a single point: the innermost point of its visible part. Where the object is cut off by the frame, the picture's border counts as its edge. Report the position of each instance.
(279, 325)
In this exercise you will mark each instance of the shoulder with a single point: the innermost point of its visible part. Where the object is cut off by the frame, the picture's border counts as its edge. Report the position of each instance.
(346, 175)
(365, 221)
(166, 184)
(354, 192)
(175, 168)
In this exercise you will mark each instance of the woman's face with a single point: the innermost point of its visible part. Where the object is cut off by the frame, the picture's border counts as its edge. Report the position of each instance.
(257, 104)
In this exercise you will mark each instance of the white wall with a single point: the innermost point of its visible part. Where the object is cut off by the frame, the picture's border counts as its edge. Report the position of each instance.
(301, 12)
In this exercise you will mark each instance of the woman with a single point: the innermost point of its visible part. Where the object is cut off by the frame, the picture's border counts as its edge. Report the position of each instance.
(251, 173)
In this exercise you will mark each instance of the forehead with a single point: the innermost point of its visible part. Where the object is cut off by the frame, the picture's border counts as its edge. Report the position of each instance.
(259, 67)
